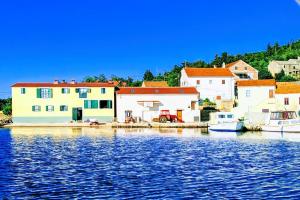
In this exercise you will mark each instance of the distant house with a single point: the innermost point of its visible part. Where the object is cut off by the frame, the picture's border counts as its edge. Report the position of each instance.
(212, 83)
(288, 96)
(290, 67)
(155, 84)
(63, 102)
(242, 70)
(145, 103)
(255, 96)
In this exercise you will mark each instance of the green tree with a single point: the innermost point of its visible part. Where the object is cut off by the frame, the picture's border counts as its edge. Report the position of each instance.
(264, 74)
(287, 78)
(148, 76)
(279, 76)
(102, 78)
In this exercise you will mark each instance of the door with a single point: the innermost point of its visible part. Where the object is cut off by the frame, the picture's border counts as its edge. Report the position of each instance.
(77, 114)
(179, 115)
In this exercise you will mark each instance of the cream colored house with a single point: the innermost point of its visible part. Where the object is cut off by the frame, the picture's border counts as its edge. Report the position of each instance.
(255, 96)
(288, 96)
(242, 70)
(290, 67)
(63, 102)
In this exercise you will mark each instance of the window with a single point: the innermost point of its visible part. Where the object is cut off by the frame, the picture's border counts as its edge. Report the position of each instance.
(246, 68)
(90, 104)
(36, 108)
(23, 90)
(210, 81)
(83, 92)
(193, 105)
(49, 108)
(230, 116)
(223, 82)
(222, 116)
(286, 101)
(271, 93)
(198, 82)
(235, 68)
(248, 93)
(105, 104)
(63, 108)
(103, 90)
(265, 110)
(44, 93)
(65, 90)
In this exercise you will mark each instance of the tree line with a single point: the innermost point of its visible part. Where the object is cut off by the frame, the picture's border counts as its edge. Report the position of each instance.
(258, 60)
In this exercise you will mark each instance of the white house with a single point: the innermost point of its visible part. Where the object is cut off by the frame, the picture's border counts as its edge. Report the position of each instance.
(146, 103)
(288, 96)
(212, 83)
(255, 96)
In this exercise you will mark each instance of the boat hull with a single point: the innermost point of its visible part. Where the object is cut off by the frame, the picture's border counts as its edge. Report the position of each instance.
(287, 129)
(227, 127)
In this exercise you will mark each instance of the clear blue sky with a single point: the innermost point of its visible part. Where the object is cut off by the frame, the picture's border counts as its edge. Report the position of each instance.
(60, 39)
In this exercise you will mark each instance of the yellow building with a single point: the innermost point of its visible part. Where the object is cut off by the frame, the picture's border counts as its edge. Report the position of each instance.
(63, 102)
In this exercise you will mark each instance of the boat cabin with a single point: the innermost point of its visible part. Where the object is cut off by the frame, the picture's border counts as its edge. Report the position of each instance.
(222, 117)
(283, 118)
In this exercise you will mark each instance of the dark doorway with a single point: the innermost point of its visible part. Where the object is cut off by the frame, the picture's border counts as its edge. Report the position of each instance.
(77, 114)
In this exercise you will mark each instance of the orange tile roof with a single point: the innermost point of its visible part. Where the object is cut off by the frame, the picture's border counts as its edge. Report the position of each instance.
(287, 88)
(153, 90)
(232, 64)
(63, 85)
(155, 84)
(266, 82)
(196, 72)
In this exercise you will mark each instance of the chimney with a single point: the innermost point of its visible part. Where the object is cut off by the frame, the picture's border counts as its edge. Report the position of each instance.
(73, 82)
(223, 65)
(56, 82)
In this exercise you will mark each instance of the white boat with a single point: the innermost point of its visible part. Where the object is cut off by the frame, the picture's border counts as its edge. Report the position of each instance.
(282, 121)
(225, 122)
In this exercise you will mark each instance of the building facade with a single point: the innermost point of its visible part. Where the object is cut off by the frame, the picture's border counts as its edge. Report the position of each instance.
(62, 102)
(155, 84)
(290, 67)
(255, 96)
(145, 104)
(288, 96)
(242, 70)
(212, 83)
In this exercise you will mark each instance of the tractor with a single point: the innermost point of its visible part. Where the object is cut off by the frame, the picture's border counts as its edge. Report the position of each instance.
(165, 116)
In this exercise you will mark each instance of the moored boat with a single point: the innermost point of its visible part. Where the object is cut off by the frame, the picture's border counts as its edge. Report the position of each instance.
(225, 122)
(282, 121)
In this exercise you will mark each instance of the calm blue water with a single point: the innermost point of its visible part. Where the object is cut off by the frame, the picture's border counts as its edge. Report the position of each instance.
(98, 164)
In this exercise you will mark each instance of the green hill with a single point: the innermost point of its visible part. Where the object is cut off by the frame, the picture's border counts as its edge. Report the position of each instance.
(258, 60)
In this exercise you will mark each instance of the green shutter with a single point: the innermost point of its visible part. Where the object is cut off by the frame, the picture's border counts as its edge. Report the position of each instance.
(77, 90)
(86, 104)
(94, 104)
(51, 93)
(33, 108)
(89, 90)
(47, 108)
(109, 104)
(61, 108)
(68, 90)
(38, 93)
(62, 90)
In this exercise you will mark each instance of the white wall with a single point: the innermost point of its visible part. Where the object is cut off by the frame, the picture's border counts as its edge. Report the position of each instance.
(293, 101)
(258, 99)
(210, 87)
(172, 102)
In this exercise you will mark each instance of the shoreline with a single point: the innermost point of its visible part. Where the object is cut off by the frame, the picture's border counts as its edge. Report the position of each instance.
(113, 125)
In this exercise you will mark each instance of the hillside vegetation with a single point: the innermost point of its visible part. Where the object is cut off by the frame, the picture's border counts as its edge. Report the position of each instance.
(258, 60)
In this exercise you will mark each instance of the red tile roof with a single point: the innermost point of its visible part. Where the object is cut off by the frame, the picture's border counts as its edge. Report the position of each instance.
(153, 90)
(287, 88)
(232, 64)
(155, 84)
(198, 72)
(63, 85)
(246, 83)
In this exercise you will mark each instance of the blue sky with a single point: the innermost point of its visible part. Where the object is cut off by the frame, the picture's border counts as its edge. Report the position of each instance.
(61, 39)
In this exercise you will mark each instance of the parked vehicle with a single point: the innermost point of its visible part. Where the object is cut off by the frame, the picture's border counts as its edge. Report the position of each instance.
(225, 122)
(282, 121)
(165, 116)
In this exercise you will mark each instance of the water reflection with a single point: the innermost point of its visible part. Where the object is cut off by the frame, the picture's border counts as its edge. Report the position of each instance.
(82, 163)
